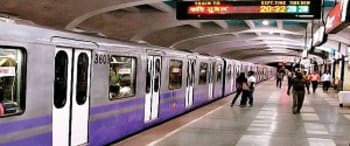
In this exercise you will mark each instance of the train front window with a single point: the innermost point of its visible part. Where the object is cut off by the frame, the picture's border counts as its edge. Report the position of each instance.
(175, 74)
(11, 82)
(203, 71)
(122, 77)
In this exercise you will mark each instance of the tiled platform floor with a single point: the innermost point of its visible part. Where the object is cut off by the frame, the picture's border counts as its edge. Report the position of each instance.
(269, 122)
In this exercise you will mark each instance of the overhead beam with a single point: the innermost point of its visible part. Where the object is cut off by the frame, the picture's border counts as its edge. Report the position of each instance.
(270, 58)
(243, 57)
(93, 11)
(251, 25)
(221, 23)
(226, 46)
(280, 26)
(162, 7)
(132, 9)
(195, 25)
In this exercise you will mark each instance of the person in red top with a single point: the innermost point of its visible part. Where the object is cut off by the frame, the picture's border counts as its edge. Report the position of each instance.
(2, 108)
(314, 78)
(307, 81)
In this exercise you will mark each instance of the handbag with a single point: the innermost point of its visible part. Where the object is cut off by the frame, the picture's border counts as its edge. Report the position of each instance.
(238, 85)
(245, 86)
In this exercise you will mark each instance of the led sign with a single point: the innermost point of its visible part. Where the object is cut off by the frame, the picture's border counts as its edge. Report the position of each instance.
(319, 37)
(274, 9)
(338, 17)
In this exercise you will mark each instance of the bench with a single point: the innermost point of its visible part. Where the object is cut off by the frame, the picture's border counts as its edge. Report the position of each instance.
(343, 97)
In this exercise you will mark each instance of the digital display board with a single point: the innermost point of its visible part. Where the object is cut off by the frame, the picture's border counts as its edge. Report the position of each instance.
(252, 9)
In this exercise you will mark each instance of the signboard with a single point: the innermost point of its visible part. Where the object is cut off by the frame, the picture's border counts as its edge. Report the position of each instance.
(332, 52)
(319, 37)
(7, 71)
(262, 9)
(338, 17)
(125, 71)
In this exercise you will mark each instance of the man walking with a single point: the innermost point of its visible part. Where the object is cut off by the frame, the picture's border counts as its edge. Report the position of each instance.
(279, 78)
(298, 84)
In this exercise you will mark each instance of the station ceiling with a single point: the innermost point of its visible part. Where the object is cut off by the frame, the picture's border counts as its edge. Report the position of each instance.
(154, 22)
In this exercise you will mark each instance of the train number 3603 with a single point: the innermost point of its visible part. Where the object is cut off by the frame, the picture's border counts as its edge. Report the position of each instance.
(102, 59)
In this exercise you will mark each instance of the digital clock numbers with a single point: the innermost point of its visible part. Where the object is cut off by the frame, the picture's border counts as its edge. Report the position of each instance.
(284, 9)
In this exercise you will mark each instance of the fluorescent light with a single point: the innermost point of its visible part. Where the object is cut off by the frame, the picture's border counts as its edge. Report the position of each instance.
(265, 22)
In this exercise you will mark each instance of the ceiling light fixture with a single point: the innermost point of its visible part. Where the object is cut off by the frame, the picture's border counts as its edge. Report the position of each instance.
(265, 22)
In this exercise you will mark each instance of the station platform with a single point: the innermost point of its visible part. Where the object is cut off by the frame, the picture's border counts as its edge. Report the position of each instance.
(269, 122)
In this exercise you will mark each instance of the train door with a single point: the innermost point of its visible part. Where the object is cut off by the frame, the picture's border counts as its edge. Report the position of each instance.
(231, 76)
(211, 80)
(71, 97)
(153, 77)
(190, 82)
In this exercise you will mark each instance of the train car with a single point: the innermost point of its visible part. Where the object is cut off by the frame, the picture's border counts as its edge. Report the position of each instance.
(60, 88)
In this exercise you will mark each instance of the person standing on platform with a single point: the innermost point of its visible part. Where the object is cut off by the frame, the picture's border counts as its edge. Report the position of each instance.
(279, 77)
(298, 84)
(246, 93)
(314, 78)
(326, 81)
(2, 108)
(251, 83)
(239, 83)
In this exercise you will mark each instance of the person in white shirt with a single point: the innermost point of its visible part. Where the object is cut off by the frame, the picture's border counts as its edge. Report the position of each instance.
(326, 80)
(251, 83)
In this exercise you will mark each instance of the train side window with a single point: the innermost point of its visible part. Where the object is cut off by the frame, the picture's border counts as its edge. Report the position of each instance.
(203, 71)
(175, 74)
(122, 77)
(229, 71)
(60, 84)
(219, 72)
(12, 100)
(148, 76)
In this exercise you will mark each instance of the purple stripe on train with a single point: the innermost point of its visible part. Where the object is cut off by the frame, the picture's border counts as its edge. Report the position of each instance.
(135, 101)
(15, 126)
(104, 131)
(44, 139)
(114, 106)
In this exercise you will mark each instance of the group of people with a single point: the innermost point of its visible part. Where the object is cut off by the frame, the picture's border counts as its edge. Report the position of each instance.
(246, 86)
(300, 81)
(314, 79)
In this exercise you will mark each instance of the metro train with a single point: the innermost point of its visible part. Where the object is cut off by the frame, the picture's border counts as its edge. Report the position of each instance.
(61, 88)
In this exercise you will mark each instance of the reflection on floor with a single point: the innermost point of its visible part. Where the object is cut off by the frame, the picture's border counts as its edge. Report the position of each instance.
(269, 122)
